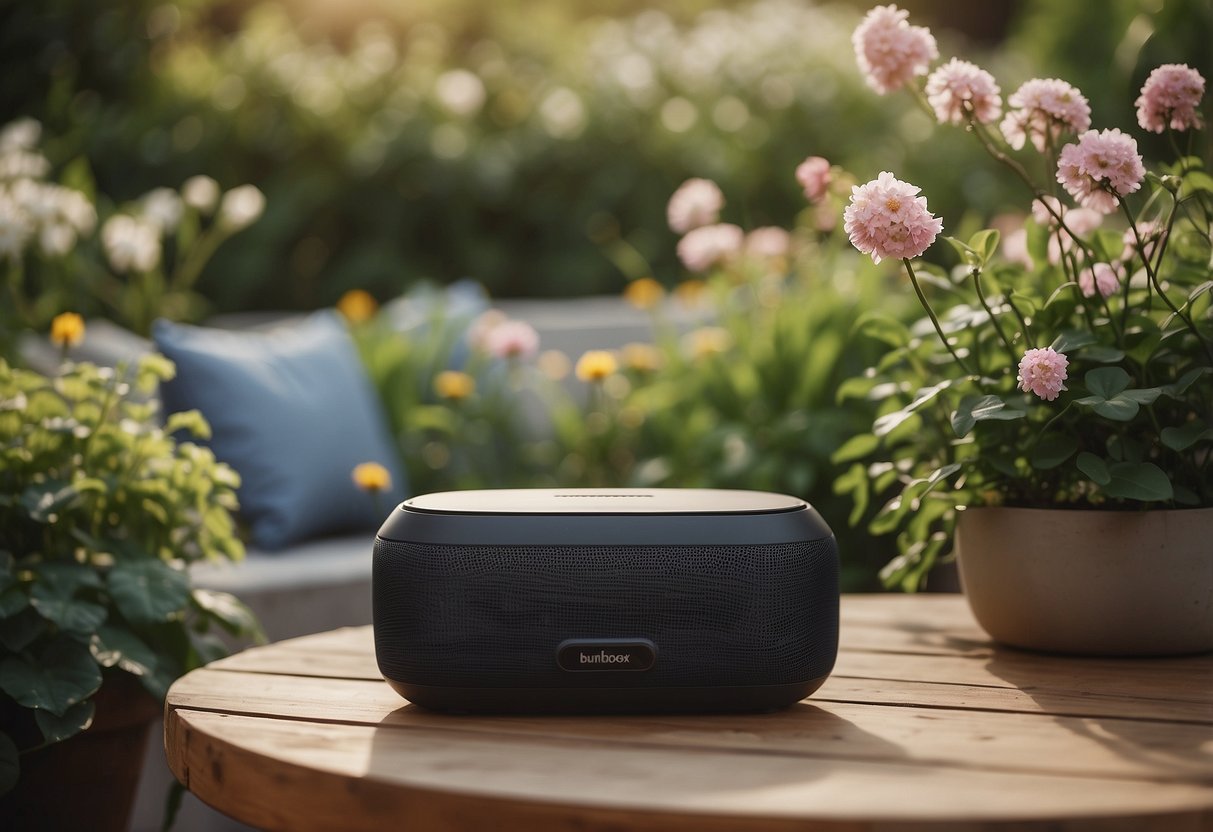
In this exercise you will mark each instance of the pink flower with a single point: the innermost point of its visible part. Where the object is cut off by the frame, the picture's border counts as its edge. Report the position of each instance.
(1046, 216)
(813, 174)
(485, 323)
(1080, 221)
(1170, 96)
(1098, 162)
(1151, 235)
(890, 51)
(512, 339)
(958, 88)
(886, 218)
(702, 248)
(1015, 248)
(1044, 107)
(1103, 277)
(1043, 372)
(768, 241)
(696, 203)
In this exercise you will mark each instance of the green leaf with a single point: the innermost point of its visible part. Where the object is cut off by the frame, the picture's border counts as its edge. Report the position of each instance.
(231, 613)
(1138, 481)
(974, 409)
(887, 423)
(12, 601)
(54, 596)
(148, 591)
(1073, 339)
(1195, 180)
(1118, 409)
(967, 255)
(1052, 450)
(10, 764)
(19, 631)
(985, 243)
(64, 675)
(857, 447)
(883, 328)
(45, 500)
(1179, 387)
(1094, 467)
(112, 646)
(1103, 355)
(191, 421)
(58, 728)
(1182, 438)
(1106, 382)
(1108, 245)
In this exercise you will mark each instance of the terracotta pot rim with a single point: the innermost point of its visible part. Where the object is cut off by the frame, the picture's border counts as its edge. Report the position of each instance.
(962, 510)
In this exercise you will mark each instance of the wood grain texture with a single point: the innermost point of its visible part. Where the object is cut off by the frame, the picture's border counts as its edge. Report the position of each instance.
(924, 725)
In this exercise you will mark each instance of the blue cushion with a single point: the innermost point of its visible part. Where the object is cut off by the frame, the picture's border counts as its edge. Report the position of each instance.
(293, 411)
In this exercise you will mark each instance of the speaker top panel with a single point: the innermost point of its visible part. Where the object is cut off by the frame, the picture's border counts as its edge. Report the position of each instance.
(595, 501)
(598, 517)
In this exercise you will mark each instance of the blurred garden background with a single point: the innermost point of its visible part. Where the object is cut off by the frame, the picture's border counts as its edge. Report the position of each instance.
(532, 148)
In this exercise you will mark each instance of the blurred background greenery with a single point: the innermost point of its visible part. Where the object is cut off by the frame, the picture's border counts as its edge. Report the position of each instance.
(516, 143)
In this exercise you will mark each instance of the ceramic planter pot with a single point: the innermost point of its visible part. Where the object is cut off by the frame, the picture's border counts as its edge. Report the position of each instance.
(1100, 583)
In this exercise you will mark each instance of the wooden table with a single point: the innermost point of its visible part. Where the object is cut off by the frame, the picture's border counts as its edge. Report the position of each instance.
(924, 724)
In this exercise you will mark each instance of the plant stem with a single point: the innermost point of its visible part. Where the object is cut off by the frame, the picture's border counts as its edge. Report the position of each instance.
(997, 327)
(931, 313)
(1153, 277)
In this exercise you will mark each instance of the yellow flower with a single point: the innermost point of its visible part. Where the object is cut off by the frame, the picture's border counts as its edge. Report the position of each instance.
(67, 329)
(454, 385)
(644, 358)
(644, 293)
(357, 306)
(371, 476)
(708, 340)
(596, 365)
(690, 292)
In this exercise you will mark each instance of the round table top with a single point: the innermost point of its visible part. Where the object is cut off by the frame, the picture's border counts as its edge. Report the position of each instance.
(923, 723)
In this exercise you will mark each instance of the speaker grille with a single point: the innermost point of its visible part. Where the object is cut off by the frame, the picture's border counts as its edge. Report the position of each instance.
(493, 616)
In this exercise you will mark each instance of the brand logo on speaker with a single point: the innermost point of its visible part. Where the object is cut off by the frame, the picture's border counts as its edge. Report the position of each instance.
(580, 655)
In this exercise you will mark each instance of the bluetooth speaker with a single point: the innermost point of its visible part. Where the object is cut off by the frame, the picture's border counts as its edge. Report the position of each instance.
(660, 600)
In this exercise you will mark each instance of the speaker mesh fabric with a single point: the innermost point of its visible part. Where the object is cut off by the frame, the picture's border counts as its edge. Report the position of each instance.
(492, 616)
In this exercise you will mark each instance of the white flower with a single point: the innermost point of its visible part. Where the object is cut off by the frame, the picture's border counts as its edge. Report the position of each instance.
(22, 164)
(460, 91)
(241, 206)
(200, 193)
(22, 134)
(39, 201)
(77, 210)
(131, 243)
(15, 228)
(56, 239)
(162, 208)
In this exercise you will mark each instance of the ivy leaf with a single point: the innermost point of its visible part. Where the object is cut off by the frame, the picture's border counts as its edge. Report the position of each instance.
(54, 596)
(974, 409)
(112, 646)
(19, 631)
(1052, 450)
(148, 591)
(58, 728)
(64, 675)
(231, 613)
(1106, 382)
(1138, 481)
(1094, 467)
(1182, 438)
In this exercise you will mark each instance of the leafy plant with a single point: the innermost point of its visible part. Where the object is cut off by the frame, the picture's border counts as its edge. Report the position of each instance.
(1074, 370)
(101, 512)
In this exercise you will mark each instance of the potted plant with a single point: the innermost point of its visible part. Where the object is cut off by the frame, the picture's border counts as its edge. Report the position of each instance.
(101, 512)
(1054, 408)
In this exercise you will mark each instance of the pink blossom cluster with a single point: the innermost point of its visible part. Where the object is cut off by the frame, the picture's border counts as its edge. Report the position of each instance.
(1170, 97)
(958, 88)
(1043, 372)
(887, 218)
(709, 245)
(813, 174)
(769, 241)
(512, 339)
(1041, 109)
(890, 51)
(1102, 277)
(696, 203)
(1099, 167)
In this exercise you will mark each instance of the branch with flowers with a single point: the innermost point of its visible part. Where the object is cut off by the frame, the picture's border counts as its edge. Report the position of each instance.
(1074, 370)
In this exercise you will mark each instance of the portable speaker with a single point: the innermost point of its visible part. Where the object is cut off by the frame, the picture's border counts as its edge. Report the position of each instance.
(604, 600)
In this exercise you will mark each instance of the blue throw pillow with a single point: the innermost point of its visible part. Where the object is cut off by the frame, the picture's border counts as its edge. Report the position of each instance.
(293, 412)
